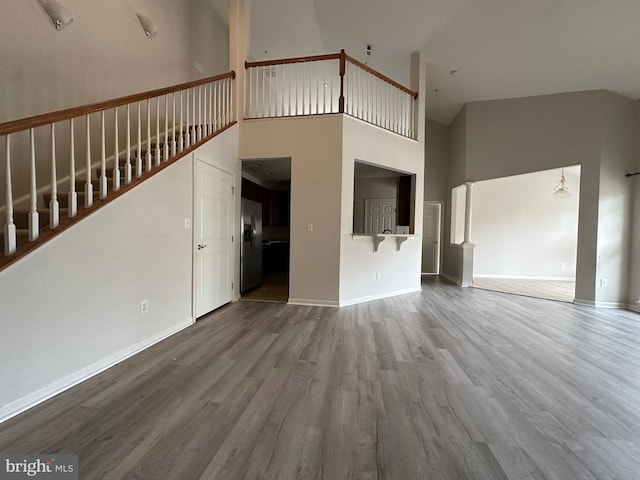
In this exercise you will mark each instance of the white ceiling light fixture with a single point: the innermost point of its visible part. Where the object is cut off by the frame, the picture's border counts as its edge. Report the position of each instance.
(57, 12)
(561, 190)
(150, 28)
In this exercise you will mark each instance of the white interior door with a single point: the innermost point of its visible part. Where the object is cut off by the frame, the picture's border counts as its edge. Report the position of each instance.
(380, 215)
(432, 212)
(213, 238)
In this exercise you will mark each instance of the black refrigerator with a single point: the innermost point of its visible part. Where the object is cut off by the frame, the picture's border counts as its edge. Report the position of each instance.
(251, 250)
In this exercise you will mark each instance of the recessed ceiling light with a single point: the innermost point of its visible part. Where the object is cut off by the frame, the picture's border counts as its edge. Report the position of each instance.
(257, 165)
(269, 173)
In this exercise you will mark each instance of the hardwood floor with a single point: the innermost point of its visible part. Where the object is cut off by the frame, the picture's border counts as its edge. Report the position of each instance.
(449, 383)
(560, 290)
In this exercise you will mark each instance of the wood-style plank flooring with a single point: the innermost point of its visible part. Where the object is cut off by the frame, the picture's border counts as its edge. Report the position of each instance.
(560, 290)
(449, 383)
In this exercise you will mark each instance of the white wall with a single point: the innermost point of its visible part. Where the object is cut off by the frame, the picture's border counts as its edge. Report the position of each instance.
(314, 145)
(72, 307)
(436, 162)
(400, 270)
(104, 53)
(520, 230)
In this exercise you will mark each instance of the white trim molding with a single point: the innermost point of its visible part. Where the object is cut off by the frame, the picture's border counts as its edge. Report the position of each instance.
(18, 406)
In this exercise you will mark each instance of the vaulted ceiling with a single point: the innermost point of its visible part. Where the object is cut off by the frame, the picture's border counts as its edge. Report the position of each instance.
(498, 48)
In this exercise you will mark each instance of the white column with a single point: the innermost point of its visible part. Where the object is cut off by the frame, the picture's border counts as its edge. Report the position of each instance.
(467, 212)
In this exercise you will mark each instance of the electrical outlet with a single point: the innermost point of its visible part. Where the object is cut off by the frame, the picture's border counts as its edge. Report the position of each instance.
(561, 265)
(309, 227)
(603, 282)
(187, 223)
(144, 306)
(378, 276)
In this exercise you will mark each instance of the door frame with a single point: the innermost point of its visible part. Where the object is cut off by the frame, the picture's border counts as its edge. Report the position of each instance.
(440, 234)
(233, 224)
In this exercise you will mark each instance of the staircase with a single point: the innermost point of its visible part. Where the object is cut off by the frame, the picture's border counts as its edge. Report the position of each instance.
(158, 128)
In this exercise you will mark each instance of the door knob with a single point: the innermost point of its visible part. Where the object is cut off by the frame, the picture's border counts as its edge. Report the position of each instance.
(200, 247)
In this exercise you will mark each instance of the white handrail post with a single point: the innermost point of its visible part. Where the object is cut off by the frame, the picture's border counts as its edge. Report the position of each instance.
(116, 147)
(127, 166)
(54, 205)
(72, 197)
(88, 186)
(34, 225)
(138, 151)
(103, 158)
(10, 243)
(148, 157)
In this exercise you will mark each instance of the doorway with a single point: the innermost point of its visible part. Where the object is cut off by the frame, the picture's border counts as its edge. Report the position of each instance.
(267, 184)
(431, 228)
(526, 233)
(213, 242)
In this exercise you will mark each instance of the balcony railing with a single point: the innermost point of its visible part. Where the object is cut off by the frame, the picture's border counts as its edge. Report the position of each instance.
(324, 84)
(122, 141)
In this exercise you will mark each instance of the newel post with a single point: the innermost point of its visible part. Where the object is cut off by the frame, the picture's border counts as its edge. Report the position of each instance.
(343, 68)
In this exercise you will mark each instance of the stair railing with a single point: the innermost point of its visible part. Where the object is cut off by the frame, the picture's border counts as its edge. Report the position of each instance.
(325, 84)
(156, 127)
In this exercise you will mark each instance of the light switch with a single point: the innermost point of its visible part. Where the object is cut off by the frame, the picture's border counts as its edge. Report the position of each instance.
(309, 227)
(187, 223)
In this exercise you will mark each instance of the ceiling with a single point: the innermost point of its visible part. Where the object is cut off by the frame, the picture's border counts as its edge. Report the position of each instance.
(499, 48)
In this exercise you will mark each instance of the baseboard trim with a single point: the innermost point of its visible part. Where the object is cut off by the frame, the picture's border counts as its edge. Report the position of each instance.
(526, 277)
(611, 305)
(633, 307)
(312, 303)
(585, 303)
(371, 298)
(32, 399)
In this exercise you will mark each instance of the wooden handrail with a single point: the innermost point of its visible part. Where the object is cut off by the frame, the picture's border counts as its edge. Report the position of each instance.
(375, 73)
(49, 118)
(333, 56)
(315, 58)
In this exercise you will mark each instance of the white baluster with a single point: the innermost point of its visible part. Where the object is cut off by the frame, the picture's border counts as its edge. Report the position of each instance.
(116, 149)
(204, 123)
(127, 166)
(157, 131)
(103, 158)
(181, 125)
(34, 225)
(139, 151)
(173, 123)
(166, 128)
(54, 205)
(199, 132)
(211, 129)
(194, 127)
(88, 186)
(148, 157)
(10, 241)
(72, 197)
(188, 132)
(232, 110)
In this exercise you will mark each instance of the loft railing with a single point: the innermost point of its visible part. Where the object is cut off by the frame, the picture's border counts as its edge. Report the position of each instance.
(323, 84)
(125, 140)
